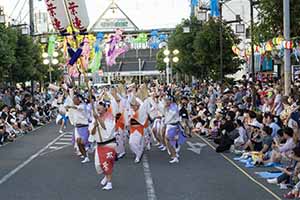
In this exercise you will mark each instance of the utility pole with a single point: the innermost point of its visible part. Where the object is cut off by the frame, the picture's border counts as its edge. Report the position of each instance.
(31, 26)
(192, 9)
(31, 17)
(287, 51)
(252, 41)
(221, 42)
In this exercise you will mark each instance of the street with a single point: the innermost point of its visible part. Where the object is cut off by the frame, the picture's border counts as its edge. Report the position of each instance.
(46, 168)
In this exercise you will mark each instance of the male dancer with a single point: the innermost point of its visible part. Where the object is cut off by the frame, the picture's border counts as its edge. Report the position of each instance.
(103, 130)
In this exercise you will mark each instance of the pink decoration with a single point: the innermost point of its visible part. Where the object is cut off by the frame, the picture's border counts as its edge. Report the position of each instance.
(116, 48)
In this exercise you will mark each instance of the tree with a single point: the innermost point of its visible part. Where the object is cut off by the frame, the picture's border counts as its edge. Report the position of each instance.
(199, 50)
(207, 50)
(8, 40)
(270, 19)
(184, 43)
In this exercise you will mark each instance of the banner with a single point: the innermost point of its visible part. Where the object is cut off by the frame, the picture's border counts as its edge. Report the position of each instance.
(58, 15)
(78, 13)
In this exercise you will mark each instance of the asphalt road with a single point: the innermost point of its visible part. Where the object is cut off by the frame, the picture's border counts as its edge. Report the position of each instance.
(31, 170)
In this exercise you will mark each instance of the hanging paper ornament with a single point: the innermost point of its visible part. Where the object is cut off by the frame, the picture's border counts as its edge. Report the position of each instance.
(78, 13)
(214, 8)
(274, 41)
(288, 45)
(51, 45)
(141, 38)
(154, 40)
(98, 48)
(234, 49)
(85, 53)
(195, 2)
(114, 48)
(279, 40)
(74, 55)
(269, 46)
(163, 37)
(58, 15)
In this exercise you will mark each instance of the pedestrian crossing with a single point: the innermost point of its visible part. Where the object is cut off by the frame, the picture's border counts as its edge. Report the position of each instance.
(63, 142)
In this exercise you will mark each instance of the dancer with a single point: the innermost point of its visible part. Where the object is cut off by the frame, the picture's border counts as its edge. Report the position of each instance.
(174, 133)
(137, 121)
(103, 130)
(81, 123)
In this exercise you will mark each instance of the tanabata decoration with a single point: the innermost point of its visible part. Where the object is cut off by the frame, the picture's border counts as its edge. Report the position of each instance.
(85, 56)
(51, 45)
(195, 2)
(154, 40)
(58, 16)
(98, 49)
(214, 8)
(142, 38)
(78, 13)
(116, 47)
(74, 55)
(275, 46)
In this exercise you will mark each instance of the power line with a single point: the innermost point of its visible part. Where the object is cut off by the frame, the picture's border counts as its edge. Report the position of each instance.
(24, 17)
(22, 8)
(13, 10)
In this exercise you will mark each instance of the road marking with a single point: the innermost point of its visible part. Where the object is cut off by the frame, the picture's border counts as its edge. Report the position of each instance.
(68, 136)
(62, 143)
(148, 178)
(66, 139)
(241, 170)
(195, 147)
(26, 162)
(54, 149)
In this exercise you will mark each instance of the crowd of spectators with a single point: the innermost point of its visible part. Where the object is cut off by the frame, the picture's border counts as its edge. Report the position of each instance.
(263, 129)
(21, 112)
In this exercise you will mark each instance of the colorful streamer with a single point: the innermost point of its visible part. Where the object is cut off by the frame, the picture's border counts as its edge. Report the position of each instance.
(214, 8)
(116, 48)
(51, 45)
(96, 62)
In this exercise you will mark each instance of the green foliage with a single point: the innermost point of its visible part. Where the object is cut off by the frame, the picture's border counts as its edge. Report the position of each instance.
(21, 59)
(160, 65)
(207, 50)
(200, 49)
(270, 19)
(8, 39)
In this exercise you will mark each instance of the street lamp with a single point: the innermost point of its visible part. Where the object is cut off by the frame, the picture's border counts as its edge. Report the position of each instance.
(169, 58)
(2, 16)
(48, 60)
(202, 15)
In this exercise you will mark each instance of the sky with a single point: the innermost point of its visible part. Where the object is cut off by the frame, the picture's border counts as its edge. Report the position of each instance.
(145, 14)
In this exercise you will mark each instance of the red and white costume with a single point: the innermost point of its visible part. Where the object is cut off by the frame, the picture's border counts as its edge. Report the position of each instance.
(105, 153)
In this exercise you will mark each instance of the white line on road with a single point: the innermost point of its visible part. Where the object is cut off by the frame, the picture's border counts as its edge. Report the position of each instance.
(62, 143)
(65, 139)
(54, 149)
(26, 162)
(241, 170)
(149, 182)
(68, 136)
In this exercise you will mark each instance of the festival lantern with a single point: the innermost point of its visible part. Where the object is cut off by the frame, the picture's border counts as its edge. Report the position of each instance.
(78, 14)
(288, 45)
(56, 10)
(269, 46)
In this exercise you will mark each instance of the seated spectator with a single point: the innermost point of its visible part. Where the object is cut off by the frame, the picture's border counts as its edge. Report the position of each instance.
(283, 150)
